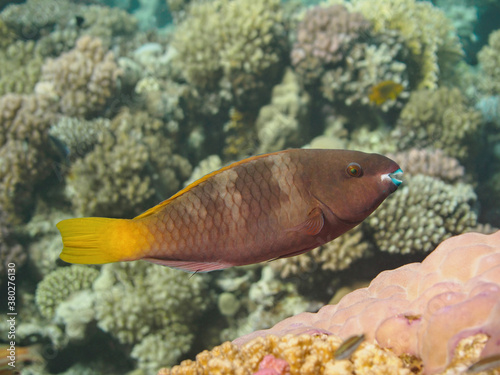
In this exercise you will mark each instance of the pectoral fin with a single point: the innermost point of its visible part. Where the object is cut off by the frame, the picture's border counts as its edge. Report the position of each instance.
(312, 225)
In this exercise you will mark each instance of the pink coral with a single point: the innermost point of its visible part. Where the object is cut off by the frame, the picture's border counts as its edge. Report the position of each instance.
(323, 38)
(270, 365)
(423, 309)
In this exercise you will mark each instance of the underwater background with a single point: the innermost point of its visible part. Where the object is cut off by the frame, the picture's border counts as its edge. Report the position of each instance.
(109, 107)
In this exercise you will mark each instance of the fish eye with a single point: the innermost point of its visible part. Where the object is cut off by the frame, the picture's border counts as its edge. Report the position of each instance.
(354, 170)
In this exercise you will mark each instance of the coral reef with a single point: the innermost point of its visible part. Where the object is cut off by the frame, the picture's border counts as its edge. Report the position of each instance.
(365, 66)
(37, 17)
(156, 305)
(257, 299)
(304, 355)
(324, 36)
(127, 171)
(26, 157)
(338, 47)
(240, 41)
(10, 250)
(57, 286)
(79, 136)
(20, 67)
(429, 162)
(408, 308)
(284, 120)
(489, 60)
(426, 31)
(83, 79)
(333, 256)
(439, 119)
(425, 211)
(209, 164)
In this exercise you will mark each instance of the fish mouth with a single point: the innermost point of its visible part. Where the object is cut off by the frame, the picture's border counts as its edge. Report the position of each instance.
(396, 177)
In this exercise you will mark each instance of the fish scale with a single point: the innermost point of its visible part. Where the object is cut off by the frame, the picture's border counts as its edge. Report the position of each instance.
(260, 208)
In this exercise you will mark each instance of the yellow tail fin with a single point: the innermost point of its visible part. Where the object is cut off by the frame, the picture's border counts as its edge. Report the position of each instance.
(97, 240)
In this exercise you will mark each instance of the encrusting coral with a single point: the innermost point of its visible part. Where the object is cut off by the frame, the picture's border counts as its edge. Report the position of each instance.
(420, 309)
(439, 119)
(83, 79)
(425, 211)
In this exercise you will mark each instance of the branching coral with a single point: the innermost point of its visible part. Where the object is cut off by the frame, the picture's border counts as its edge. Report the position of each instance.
(20, 67)
(439, 119)
(140, 301)
(132, 167)
(60, 284)
(304, 354)
(423, 213)
(241, 41)
(83, 79)
(489, 58)
(25, 156)
(421, 309)
(426, 31)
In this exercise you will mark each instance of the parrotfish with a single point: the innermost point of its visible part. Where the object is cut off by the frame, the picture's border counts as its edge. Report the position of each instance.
(384, 91)
(261, 208)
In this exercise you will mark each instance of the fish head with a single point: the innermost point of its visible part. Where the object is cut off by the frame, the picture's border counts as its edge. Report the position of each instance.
(356, 183)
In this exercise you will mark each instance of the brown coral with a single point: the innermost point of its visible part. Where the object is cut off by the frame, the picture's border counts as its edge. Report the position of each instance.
(83, 79)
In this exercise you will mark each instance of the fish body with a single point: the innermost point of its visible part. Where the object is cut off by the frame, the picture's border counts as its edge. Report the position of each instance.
(384, 91)
(261, 208)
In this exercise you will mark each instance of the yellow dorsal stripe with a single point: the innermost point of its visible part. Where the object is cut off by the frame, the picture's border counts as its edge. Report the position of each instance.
(159, 206)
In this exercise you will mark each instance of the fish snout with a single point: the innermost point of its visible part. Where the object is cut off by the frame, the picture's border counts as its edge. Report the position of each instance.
(396, 177)
(392, 180)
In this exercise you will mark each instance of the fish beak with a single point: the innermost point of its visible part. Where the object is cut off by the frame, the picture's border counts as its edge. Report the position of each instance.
(396, 177)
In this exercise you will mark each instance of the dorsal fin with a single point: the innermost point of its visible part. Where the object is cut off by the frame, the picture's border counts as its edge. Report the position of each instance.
(159, 206)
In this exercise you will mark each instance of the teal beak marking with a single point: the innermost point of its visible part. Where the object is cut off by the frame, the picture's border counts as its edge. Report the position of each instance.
(396, 177)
